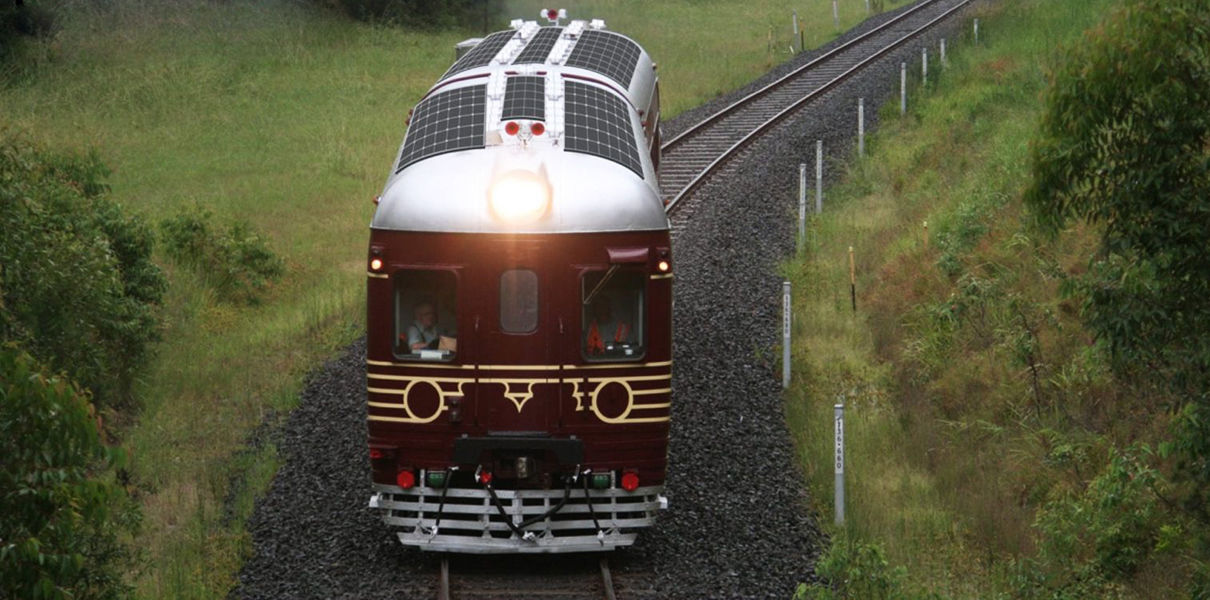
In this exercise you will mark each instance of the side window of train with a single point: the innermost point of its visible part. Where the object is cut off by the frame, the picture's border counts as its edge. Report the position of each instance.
(426, 314)
(614, 316)
(518, 301)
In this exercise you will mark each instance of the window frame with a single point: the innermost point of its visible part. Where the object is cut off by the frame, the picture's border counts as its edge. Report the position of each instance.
(640, 332)
(396, 330)
(537, 301)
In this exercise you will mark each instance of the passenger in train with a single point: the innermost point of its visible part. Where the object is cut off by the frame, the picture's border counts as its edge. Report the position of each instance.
(604, 328)
(424, 333)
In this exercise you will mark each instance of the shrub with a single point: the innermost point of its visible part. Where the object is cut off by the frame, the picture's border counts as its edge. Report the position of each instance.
(235, 262)
(77, 285)
(421, 13)
(855, 570)
(59, 517)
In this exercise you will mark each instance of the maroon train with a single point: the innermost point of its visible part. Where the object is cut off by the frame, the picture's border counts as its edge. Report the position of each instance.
(519, 301)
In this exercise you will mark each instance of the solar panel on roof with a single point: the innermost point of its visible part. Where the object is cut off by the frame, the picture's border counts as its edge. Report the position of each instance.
(540, 46)
(525, 98)
(445, 122)
(607, 53)
(482, 54)
(598, 123)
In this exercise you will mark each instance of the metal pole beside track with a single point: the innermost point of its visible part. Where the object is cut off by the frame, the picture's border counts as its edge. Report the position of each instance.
(785, 335)
(903, 88)
(924, 65)
(838, 417)
(861, 127)
(818, 177)
(802, 205)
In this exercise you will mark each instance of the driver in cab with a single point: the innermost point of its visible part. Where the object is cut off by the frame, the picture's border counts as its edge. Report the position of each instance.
(604, 330)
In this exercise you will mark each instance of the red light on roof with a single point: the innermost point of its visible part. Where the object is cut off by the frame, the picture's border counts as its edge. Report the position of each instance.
(511, 128)
(406, 479)
(630, 481)
(551, 14)
(537, 128)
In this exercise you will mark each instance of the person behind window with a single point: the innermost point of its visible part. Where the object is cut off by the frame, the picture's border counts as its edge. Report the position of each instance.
(424, 333)
(605, 328)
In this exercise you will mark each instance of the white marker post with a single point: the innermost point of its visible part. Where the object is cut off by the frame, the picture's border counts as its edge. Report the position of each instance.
(818, 177)
(785, 335)
(861, 127)
(976, 32)
(795, 19)
(943, 61)
(903, 88)
(924, 65)
(836, 15)
(802, 205)
(838, 415)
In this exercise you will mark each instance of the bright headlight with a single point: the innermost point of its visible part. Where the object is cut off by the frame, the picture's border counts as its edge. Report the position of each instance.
(519, 196)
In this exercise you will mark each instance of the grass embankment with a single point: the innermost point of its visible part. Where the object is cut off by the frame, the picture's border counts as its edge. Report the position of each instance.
(286, 118)
(974, 396)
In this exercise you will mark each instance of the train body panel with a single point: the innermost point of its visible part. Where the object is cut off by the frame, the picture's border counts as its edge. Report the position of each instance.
(519, 302)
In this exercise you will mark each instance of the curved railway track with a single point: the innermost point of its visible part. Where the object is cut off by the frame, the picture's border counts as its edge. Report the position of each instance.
(689, 160)
(704, 150)
(562, 577)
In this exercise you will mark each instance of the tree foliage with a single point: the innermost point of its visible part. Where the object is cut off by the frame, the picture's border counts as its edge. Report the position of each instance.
(1125, 143)
(59, 520)
(77, 284)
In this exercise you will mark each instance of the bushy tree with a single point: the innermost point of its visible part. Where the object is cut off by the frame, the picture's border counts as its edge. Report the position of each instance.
(77, 284)
(60, 518)
(1125, 145)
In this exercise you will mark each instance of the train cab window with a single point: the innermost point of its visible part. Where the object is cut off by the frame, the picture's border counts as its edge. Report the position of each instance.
(426, 315)
(614, 317)
(518, 301)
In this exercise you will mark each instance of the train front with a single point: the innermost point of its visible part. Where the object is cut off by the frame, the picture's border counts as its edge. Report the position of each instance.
(519, 302)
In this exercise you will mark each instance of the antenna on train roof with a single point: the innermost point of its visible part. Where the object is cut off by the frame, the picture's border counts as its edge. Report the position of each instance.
(553, 15)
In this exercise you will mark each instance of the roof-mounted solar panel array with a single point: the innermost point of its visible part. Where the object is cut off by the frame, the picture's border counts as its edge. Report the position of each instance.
(445, 122)
(525, 98)
(481, 54)
(609, 54)
(538, 48)
(598, 123)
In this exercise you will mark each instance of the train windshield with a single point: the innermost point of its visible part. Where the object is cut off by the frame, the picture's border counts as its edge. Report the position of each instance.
(426, 314)
(613, 315)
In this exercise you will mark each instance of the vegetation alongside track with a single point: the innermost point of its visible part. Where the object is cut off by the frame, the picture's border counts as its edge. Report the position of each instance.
(278, 118)
(1006, 435)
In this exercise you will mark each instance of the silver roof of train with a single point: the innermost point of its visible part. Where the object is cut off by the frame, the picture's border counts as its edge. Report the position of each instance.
(585, 88)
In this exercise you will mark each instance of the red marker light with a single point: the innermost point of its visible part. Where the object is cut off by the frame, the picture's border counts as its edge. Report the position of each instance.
(406, 479)
(375, 454)
(485, 477)
(551, 14)
(511, 128)
(537, 128)
(630, 481)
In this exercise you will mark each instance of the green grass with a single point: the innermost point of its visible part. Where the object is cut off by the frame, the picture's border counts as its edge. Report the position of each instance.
(286, 117)
(948, 457)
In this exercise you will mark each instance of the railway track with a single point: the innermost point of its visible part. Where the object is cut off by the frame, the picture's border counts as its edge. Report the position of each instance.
(562, 577)
(706, 149)
(690, 160)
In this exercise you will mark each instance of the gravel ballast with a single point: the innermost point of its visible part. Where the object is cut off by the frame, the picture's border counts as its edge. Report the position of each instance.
(738, 525)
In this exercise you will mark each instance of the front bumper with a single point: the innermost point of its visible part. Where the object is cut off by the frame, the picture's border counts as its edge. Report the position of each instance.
(468, 521)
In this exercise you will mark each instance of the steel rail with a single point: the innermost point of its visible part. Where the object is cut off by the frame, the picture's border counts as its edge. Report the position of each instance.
(444, 592)
(746, 100)
(751, 137)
